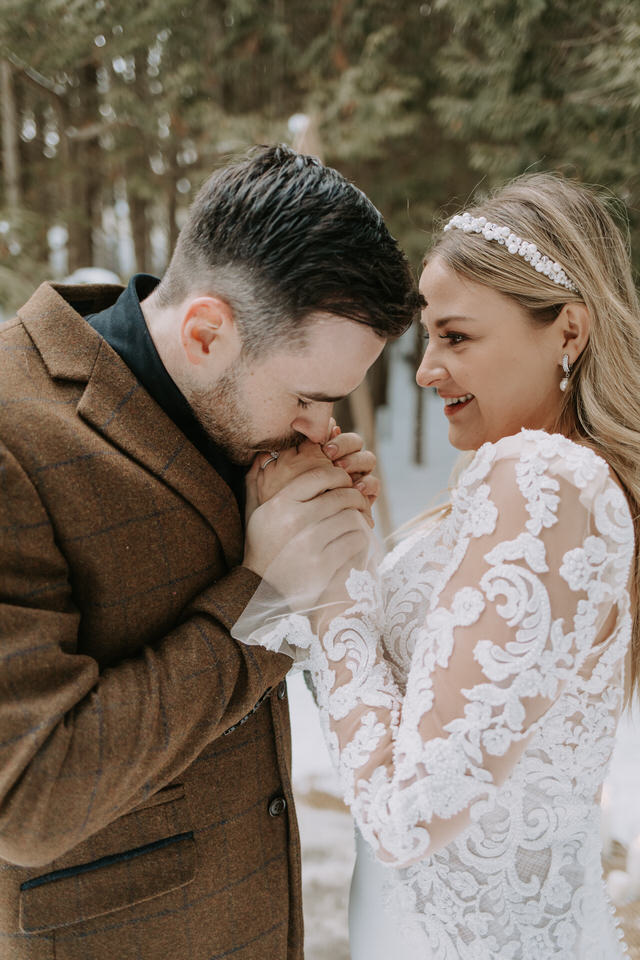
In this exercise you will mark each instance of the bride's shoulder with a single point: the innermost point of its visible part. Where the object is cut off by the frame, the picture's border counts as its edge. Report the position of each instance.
(547, 473)
(536, 453)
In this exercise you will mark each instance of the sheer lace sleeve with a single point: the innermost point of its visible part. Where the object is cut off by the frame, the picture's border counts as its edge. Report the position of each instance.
(532, 562)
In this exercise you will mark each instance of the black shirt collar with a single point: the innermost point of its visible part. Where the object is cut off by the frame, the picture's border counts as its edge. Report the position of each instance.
(124, 328)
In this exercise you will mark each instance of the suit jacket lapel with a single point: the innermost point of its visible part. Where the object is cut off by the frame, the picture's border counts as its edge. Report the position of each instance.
(118, 407)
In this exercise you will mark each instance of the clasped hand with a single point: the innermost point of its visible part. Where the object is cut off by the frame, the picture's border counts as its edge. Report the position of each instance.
(306, 519)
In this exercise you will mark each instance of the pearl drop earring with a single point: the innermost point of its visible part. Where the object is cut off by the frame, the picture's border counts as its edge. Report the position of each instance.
(567, 367)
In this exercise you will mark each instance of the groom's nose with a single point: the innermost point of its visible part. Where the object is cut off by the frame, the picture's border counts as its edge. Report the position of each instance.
(314, 422)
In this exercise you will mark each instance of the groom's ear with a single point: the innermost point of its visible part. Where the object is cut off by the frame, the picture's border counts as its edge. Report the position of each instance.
(208, 325)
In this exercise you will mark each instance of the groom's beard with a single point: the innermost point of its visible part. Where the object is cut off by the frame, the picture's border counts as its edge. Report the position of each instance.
(223, 414)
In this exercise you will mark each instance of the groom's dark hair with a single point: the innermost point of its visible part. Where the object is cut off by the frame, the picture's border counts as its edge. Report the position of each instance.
(280, 236)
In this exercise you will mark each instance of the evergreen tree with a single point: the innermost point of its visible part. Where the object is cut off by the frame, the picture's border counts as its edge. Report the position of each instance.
(546, 85)
(105, 102)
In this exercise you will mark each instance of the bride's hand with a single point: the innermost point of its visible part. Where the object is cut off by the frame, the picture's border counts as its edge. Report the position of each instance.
(343, 450)
(271, 476)
(346, 450)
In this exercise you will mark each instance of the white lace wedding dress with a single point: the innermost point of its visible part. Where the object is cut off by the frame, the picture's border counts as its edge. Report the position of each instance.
(470, 694)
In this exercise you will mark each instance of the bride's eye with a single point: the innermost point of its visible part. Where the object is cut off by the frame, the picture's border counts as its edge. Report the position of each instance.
(453, 338)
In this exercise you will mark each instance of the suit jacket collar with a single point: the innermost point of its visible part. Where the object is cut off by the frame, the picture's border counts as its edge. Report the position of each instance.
(119, 408)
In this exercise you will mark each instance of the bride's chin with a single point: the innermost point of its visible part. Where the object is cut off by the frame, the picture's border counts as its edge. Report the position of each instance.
(464, 444)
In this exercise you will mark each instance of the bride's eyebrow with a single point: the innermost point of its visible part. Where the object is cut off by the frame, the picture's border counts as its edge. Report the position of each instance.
(441, 321)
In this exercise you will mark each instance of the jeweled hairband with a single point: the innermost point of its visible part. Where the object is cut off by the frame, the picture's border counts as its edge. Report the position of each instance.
(514, 244)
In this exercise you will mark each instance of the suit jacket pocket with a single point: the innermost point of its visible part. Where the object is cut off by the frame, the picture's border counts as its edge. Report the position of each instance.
(90, 888)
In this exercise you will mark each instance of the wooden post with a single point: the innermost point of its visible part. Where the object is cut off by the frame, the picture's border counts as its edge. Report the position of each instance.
(419, 405)
(364, 417)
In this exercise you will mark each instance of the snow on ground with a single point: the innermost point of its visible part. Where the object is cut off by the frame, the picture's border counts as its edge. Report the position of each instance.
(327, 864)
(325, 825)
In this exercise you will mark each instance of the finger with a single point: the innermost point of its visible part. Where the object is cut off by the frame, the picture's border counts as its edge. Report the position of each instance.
(344, 444)
(252, 472)
(348, 551)
(315, 481)
(301, 457)
(326, 538)
(333, 501)
(290, 464)
(363, 462)
(348, 548)
(281, 519)
(349, 523)
(369, 486)
(251, 485)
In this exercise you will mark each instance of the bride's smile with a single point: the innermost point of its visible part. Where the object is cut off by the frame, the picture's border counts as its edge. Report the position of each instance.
(455, 404)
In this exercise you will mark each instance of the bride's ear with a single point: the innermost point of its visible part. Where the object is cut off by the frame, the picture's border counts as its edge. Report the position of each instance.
(574, 325)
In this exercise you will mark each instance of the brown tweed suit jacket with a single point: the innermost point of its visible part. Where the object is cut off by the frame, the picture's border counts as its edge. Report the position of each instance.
(145, 806)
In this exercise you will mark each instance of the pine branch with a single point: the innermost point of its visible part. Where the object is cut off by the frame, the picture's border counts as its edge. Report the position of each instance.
(36, 78)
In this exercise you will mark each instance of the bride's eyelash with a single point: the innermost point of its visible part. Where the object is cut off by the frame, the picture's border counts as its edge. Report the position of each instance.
(453, 337)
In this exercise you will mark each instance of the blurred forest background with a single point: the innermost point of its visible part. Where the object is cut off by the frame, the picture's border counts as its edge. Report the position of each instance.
(113, 113)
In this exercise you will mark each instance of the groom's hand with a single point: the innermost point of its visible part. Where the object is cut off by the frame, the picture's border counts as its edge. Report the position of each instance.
(317, 515)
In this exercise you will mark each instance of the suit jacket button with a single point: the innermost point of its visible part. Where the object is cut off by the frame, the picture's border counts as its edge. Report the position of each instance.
(282, 690)
(277, 806)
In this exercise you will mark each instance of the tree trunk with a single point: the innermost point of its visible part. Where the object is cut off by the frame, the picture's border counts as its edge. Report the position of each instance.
(419, 393)
(66, 205)
(10, 161)
(140, 231)
(86, 167)
(172, 200)
(138, 178)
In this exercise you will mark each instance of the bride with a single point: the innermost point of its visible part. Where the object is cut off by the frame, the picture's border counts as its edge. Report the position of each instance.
(470, 684)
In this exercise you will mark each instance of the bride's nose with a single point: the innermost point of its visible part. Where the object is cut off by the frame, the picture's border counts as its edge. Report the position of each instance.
(431, 370)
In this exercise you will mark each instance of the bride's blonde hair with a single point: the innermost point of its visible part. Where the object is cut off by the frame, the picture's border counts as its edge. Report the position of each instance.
(571, 224)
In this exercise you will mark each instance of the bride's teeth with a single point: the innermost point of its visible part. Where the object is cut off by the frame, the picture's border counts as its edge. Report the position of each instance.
(449, 401)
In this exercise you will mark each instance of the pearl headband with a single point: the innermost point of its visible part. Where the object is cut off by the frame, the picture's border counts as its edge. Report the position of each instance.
(514, 244)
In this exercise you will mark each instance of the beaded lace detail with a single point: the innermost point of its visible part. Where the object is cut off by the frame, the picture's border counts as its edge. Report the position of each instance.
(470, 693)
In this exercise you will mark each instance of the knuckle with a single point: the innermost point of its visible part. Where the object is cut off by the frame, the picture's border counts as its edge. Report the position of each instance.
(318, 472)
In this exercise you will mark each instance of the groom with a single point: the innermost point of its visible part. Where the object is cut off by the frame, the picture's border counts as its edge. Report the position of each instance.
(145, 799)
